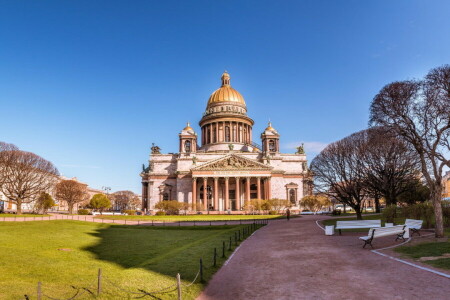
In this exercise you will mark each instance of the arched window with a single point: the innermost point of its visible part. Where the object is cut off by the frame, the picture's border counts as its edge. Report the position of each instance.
(292, 196)
(272, 147)
(227, 133)
(187, 146)
(165, 196)
(245, 136)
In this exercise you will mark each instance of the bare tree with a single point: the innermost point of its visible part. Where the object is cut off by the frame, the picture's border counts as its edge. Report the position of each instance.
(390, 166)
(24, 175)
(7, 147)
(339, 173)
(419, 112)
(125, 200)
(72, 192)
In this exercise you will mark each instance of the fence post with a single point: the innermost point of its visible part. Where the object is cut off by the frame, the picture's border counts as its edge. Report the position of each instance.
(99, 282)
(235, 238)
(223, 249)
(39, 291)
(201, 270)
(215, 257)
(179, 286)
(229, 247)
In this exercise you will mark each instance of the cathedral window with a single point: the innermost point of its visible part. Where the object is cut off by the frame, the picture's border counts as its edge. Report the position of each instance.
(165, 196)
(187, 146)
(245, 135)
(292, 196)
(227, 133)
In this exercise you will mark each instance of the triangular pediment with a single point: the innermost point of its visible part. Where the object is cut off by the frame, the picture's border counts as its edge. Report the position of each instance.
(233, 162)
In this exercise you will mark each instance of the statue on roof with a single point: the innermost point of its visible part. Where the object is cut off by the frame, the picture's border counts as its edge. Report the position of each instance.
(155, 149)
(300, 149)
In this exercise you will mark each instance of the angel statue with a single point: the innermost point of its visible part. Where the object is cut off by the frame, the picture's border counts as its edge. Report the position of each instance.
(155, 149)
(300, 149)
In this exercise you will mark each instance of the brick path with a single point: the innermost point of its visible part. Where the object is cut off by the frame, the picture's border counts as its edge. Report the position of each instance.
(295, 260)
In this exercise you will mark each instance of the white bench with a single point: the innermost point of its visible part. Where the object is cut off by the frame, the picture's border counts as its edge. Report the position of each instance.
(357, 224)
(398, 230)
(414, 225)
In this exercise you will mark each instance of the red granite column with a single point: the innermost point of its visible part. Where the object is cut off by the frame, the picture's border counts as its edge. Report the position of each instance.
(216, 193)
(238, 194)
(205, 193)
(225, 205)
(194, 193)
(258, 187)
(247, 191)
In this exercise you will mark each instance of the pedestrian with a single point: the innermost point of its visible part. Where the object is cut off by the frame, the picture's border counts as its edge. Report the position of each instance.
(288, 214)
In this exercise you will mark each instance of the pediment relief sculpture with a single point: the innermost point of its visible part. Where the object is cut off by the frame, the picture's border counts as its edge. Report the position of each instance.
(233, 163)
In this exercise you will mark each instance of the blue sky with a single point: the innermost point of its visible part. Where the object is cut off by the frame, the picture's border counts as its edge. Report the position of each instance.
(89, 85)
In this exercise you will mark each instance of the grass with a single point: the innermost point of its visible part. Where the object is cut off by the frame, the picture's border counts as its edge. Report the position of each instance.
(62, 253)
(429, 249)
(21, 216)
(192, 217)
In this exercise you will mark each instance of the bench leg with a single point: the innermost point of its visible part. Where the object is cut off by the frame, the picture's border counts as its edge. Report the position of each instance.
(368, 242)
(340, 232)
(413, 230)
(400, 236)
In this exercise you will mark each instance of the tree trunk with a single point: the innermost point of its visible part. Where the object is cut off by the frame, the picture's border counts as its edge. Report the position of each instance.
(70, 206)
(377, 204)
(358, 213)
(436, 196)
(19, 206)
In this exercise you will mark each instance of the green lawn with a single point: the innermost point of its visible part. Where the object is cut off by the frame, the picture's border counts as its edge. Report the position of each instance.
(21, 216)
(64, 253)
(192, 217)
(429, 249)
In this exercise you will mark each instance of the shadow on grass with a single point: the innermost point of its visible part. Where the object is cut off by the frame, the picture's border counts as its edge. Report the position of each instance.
(168, 250)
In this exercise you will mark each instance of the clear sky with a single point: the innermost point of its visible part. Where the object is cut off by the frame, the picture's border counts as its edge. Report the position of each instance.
(89, 85)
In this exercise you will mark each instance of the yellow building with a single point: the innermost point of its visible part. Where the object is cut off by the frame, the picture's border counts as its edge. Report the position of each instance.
(446, 184)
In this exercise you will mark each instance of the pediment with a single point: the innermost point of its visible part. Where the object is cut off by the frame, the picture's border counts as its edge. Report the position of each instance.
(233, 162)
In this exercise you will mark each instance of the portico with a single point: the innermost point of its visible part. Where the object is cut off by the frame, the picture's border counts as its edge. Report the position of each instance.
(229, 183)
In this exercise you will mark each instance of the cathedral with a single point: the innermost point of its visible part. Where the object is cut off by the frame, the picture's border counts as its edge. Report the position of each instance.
(222, 168)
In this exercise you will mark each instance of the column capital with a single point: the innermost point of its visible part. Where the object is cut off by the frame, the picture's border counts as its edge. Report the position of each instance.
(227, 178)
(194, 179)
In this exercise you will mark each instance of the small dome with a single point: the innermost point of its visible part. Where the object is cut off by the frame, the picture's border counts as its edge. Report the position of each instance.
(226, 93)
(188, 127)
(269, 127)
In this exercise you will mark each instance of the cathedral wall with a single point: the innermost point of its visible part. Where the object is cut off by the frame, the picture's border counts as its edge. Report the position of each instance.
(184, 189)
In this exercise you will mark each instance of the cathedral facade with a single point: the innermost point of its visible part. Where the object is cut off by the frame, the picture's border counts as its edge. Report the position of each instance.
(222, 168)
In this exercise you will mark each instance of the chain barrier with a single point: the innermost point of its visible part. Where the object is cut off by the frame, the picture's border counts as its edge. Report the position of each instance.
(141, 291)
(77, 293)
(188, 285)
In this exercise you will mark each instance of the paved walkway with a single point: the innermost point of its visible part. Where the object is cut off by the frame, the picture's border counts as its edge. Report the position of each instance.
(295, 260)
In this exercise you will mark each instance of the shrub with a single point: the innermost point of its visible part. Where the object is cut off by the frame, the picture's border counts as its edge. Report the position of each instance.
(130, 212)
(273, 212)
(170, 207)
(83, 212)
(160, 213)
(389, 213)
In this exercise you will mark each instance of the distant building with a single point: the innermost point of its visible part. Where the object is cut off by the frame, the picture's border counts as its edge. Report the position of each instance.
(446, 184)
(9, 206)
(228, 168)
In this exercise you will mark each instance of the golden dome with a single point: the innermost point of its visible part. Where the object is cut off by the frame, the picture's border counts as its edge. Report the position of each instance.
(188, 127)
(226, 93)
(269, 127)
